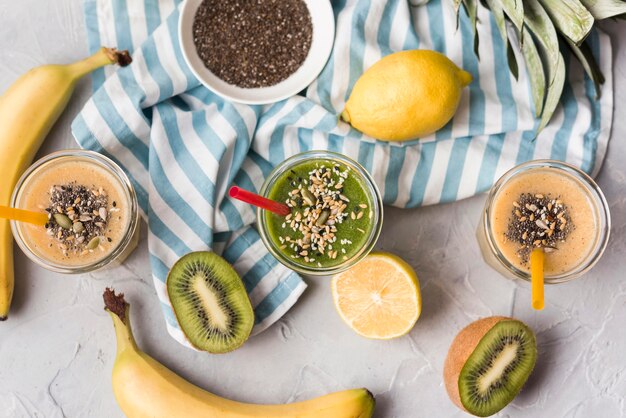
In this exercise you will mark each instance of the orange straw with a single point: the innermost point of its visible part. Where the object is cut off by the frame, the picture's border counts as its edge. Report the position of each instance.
(21, 215)
(536, 274)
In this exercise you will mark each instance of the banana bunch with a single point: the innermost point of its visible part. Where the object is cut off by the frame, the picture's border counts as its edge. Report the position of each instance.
(543, 28)
(145, 388)
(28, 109)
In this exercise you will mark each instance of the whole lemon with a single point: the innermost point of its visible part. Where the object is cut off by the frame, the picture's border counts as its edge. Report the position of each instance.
(406, 95)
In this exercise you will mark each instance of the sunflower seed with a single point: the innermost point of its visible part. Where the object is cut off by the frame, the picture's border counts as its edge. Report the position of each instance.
(78, 227)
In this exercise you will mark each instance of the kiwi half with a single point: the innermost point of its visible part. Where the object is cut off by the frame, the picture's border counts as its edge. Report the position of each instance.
(488, 363)
(210, 302)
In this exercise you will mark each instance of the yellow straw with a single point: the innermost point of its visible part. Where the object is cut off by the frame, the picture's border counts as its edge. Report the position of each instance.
(21, 215)
(536, 273)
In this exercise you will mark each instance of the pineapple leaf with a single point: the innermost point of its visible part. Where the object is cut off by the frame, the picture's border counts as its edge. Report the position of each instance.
(457, 10)
(586, 58)
(514, 9)
(535, 70)
(512, 60)
(555, 89)
(498, 14)
(539, 23)
(471, 7)
(602, 9)
(570, 17)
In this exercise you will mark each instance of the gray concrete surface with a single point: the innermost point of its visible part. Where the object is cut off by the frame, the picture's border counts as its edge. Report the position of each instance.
(58, 347)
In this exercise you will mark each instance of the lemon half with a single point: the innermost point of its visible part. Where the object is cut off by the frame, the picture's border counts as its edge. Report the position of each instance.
(379, 297)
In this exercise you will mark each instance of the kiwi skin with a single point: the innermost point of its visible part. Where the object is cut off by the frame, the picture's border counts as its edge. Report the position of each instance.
(461, 349)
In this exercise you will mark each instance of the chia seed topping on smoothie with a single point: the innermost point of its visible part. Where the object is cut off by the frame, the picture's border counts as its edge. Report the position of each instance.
(538, 221)
(78, 218)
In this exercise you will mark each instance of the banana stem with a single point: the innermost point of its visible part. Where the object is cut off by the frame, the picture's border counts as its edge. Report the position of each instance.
(104, 56)
(119, 310)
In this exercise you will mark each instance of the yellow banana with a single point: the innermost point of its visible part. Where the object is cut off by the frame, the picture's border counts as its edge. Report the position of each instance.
(145, 388)
(28, 109)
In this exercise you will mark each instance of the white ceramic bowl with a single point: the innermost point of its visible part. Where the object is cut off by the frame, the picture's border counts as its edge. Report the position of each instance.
(321, 45)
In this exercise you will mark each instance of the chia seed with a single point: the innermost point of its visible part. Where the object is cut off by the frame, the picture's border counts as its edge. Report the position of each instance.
(84, 210)
(538, 221)
(252, 43)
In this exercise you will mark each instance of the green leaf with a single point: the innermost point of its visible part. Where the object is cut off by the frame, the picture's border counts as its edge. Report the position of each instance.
(471, 7)
(570, 17)
(457, 9)
(535, 70)
(555, 89)
(539, 23)
(512, 60)
(602, 9)
(514, 9)
(498, 14)
(586, 58)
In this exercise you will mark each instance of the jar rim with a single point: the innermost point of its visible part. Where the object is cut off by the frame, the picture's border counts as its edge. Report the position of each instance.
(103, 162)
(592, 190)
(367, 181)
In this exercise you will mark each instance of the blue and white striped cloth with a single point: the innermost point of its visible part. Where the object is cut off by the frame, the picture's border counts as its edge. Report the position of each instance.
(183, 146)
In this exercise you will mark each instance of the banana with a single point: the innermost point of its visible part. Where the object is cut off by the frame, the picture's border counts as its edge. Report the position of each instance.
(145, 388)
(28, 109)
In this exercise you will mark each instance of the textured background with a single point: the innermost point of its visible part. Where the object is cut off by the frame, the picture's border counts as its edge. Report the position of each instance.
(57, 348)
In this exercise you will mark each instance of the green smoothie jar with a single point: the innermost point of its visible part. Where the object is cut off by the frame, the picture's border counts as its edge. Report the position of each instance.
(336, 213)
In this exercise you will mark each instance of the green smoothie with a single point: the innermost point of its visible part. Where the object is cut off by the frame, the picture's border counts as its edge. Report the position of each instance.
(331, 216)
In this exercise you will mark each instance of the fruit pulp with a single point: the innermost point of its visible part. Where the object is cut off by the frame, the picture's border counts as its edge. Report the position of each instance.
(352, 234)
(35, 194)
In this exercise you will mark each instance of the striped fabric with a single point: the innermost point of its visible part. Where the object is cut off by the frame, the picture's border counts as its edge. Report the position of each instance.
(183, 146)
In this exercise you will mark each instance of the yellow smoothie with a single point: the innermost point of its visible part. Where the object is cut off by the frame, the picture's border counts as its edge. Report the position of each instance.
(546, 208)
(88, 209)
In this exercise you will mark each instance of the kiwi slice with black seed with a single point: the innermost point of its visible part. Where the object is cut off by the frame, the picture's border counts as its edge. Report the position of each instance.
(210, 302)
(488, 363)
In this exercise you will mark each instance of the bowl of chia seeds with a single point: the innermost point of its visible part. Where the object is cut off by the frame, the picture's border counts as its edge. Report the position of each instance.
(256, 51)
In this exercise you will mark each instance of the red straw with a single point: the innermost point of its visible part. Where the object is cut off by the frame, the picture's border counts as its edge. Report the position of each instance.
(259, 201)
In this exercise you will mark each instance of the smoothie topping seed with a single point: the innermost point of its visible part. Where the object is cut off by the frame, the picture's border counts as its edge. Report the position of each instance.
(318, 208)
(78, 218)
(253, 43)
(538, 221)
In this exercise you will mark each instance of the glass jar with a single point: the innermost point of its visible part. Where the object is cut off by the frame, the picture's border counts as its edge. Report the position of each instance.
(69, 166)
(375, 216)
(490, 244)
